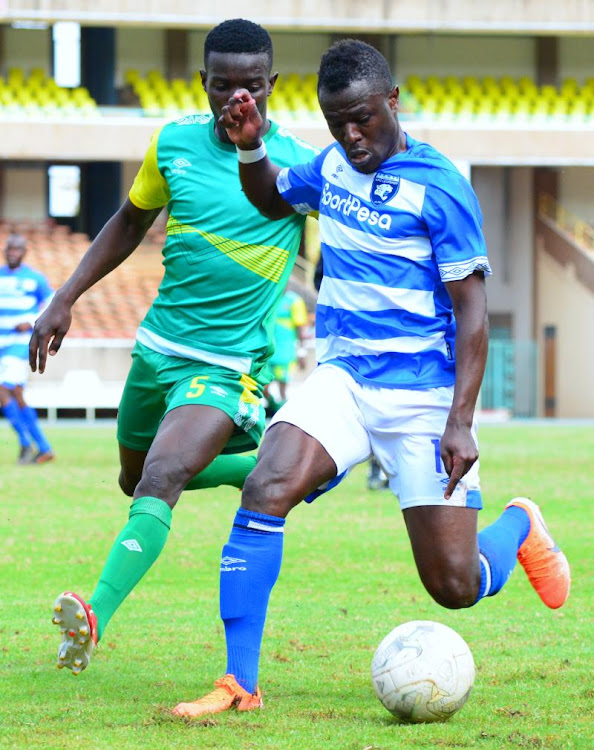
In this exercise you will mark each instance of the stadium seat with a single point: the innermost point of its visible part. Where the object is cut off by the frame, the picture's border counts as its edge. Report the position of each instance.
(501, 99)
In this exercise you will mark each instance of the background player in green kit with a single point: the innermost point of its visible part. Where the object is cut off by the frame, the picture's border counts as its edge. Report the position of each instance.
(200, 359)
(290, 332)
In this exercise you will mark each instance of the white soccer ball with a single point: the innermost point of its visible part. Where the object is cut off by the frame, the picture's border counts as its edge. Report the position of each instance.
(423, 671)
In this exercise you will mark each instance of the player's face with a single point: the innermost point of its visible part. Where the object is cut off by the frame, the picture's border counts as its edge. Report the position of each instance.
(226, 72)
(364, 124)
(14, 252)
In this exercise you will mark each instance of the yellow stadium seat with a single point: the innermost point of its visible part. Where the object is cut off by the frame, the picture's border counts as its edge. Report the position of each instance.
(132, 77)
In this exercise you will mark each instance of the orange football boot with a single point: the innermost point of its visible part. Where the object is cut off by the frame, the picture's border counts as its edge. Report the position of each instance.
(228, 694)
(78, 626)
(545, 565)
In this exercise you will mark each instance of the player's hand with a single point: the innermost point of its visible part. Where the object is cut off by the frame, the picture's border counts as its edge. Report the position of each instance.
(49, 332)
(458, 453)
(23, 327)
(242, 120)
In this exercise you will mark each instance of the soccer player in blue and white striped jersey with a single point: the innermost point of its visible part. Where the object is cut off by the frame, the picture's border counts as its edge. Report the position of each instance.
(24, 292)
(401, 328)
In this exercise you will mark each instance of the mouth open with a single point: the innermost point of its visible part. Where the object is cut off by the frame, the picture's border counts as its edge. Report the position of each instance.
(359, 158)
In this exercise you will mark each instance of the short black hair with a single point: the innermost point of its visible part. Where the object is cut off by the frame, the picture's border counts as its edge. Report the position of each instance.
(351, 60)
(239, 36)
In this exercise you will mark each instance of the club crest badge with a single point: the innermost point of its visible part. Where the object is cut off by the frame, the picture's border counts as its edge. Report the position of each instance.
(384, 187)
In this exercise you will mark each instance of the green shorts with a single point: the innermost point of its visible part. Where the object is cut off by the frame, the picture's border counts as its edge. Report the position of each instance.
(158, 383)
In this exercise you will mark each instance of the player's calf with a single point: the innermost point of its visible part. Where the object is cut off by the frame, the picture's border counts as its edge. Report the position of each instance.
(78, 628)
(545, 564)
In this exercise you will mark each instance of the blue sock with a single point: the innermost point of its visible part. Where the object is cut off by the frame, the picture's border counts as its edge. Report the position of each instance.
(29, 417)
(498, 549)
(14, 416)
(249, 569)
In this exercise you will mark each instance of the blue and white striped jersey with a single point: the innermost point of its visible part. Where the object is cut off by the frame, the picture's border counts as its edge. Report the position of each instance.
(23, 292)
(390, 240)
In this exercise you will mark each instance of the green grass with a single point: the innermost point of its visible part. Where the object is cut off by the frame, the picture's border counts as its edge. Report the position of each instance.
(347, 579)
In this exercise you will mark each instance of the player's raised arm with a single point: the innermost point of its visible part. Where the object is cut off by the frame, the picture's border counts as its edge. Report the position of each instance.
(244, 125)
(114, 243)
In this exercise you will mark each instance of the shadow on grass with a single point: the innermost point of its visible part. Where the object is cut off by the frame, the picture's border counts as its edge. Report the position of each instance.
(162, 715)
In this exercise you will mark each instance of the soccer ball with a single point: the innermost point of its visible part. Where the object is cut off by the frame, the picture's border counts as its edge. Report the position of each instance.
(423, 671)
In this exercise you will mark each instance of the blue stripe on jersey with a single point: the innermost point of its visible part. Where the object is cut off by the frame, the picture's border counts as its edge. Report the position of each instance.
(376, 268)
(417, 372)
(22, 291)
(389, 241)
(16, 350)
(381, 324)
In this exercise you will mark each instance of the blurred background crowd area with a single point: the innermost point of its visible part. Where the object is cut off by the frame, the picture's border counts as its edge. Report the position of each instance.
(506, 92)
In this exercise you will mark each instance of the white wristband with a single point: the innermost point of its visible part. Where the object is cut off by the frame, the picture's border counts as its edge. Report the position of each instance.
(249, 157)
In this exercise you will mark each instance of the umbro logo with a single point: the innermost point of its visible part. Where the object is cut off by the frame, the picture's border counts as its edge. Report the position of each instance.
(132, 545)
(179, 165)
(229, 564)
(231, 560)
(218, 390)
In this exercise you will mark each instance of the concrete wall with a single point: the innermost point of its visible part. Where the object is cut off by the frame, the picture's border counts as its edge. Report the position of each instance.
(510, 16)
(25, 48)
(110, 360)
(576, 57)
(506, 201)
(576, 191)
(139, 49)
(129, 170)
(23, 195)
(441, 55)
(565, 303)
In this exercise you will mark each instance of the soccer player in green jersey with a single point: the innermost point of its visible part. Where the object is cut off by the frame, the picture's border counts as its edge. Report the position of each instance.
(200, 359)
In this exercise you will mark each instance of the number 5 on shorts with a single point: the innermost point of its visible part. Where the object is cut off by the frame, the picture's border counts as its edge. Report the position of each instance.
(197, 386)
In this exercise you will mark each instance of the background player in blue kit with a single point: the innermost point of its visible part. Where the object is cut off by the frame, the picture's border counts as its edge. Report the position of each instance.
(24, 292)
(401, 329)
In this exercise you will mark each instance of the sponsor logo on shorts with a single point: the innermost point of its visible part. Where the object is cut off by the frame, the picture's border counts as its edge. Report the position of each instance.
(219, 391)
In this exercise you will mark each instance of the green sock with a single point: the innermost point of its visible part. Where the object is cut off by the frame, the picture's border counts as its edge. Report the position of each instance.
(134, 551)
(231, 469)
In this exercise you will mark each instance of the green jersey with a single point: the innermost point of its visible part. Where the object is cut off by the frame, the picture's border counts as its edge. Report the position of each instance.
(226, 265)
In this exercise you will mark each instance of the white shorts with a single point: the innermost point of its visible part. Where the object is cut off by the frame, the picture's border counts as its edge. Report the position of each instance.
(402, 428)
(13, 371)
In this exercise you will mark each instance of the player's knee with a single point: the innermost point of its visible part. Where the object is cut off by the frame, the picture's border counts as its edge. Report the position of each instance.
(127, 485)
(454, 589)
(164, 478)
(273, 496)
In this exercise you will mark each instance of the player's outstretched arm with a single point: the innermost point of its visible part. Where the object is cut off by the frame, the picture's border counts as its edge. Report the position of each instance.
(244, 125)
(115, 242)
(469, 300)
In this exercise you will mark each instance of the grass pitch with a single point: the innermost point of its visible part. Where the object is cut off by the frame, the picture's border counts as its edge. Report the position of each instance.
(348, 578)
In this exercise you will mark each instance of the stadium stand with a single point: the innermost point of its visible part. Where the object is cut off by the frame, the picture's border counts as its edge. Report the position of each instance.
(36, 94)
(509, 97)
(503, 99)
(115, 306)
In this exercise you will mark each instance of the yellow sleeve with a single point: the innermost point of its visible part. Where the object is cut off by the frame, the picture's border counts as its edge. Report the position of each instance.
(150, 189)
(299, 313)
